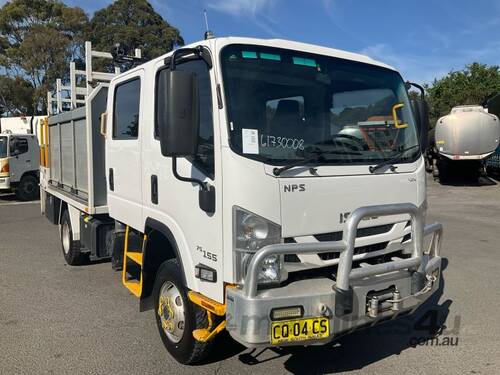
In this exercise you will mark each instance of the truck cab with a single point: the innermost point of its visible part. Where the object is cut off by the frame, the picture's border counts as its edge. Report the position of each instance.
(241, 153)
(19, 163)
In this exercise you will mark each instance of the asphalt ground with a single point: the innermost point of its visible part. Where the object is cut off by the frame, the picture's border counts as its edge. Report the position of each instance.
(58, 319)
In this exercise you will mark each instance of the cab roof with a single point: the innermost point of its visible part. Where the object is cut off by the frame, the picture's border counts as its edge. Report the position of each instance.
(219, 43)
(304, 47)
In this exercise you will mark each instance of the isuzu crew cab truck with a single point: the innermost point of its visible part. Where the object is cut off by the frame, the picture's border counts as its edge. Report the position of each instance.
(270, 188)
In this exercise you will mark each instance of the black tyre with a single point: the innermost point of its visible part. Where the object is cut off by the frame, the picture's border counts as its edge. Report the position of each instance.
(177, 317)
(28, 188)
(70, 248)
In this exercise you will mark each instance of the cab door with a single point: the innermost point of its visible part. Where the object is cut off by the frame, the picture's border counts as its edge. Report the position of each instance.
(175, 203)
(21, 160)
(123, 149)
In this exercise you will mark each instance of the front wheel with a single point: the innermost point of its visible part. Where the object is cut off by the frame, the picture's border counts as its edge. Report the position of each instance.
(177, 317)
(28, 188)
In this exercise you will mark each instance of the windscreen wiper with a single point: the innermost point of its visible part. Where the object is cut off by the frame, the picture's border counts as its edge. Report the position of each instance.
(317, 156)
(391, 161)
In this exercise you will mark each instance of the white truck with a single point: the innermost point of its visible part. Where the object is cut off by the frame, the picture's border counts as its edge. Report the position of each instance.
(19, 165)
(22, 124)
(228, 180)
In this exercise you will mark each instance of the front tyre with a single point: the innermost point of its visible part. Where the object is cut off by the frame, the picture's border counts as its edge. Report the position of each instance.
(28, 189)
(70, 248)
(177, 317)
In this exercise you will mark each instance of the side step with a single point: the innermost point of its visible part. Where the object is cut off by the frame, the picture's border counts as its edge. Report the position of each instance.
(211, 307)
(132, 280)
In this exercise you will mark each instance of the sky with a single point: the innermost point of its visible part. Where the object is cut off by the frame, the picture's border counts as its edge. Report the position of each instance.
(423, 39)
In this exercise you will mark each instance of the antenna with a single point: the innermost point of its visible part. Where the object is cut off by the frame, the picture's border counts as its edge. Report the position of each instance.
(208, 34)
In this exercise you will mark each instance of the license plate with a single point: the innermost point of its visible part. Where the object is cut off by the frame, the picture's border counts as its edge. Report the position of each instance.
(299, 330)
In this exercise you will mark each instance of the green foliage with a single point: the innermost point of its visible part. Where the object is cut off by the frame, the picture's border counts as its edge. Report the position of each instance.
(37, 39)
(135, 24)
(16, 96)
(473, 85)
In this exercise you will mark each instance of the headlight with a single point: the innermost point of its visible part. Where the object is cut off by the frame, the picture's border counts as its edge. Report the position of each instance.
(251, 233)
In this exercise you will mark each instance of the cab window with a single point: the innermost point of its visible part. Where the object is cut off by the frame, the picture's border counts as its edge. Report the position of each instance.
(18, 146)
(126, 109)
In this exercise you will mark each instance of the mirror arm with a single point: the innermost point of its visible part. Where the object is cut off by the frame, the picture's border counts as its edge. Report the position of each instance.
(186, 179)
(200, 52)
(420, 88)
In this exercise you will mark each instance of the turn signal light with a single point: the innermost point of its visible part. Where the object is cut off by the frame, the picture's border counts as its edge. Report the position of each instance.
(205, 273)
(5, 168)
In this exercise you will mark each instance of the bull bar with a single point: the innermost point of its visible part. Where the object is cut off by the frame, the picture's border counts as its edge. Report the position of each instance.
(345, 248)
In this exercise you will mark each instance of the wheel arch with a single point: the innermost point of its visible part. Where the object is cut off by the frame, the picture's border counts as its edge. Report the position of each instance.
(160, 247)
(33, 173)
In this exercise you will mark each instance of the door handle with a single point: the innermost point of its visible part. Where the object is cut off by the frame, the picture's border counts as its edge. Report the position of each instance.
(111, 180)
(154, 189)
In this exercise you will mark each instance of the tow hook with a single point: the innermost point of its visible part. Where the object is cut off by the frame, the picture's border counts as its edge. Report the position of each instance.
(396, 301)
(373, 307)
(390, 299)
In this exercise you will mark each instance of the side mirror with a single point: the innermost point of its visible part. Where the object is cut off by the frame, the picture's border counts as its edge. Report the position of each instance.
(421, 111)
(179, 113)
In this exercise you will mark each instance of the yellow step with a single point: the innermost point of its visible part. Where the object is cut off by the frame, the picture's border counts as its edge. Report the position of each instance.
(135, 287)
(207, 303)
(201, 334)
(136, 257)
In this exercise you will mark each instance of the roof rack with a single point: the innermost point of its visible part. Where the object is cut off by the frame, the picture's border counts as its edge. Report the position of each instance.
(76, 95)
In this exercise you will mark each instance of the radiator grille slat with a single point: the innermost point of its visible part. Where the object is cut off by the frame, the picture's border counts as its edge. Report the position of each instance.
(362, 232)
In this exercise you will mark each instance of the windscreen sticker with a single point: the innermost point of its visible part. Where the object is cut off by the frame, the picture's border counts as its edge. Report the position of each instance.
(271, 141)
(250, 140)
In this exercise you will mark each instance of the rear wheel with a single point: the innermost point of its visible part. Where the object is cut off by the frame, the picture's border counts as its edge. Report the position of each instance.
(28, 188)
(177, 317)
(70, 248)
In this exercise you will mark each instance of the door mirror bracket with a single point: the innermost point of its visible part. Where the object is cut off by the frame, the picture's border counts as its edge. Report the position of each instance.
(421, 113)
(206, 193)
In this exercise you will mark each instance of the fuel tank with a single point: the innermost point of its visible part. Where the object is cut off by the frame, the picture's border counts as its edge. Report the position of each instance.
(468, 132)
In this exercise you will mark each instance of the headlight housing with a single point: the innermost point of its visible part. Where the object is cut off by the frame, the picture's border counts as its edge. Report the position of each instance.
(251, 233)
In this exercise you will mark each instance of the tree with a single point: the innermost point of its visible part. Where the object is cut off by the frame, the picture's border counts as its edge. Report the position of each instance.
(472, 85)
(16, 96)
(37, 40)
(135, 24)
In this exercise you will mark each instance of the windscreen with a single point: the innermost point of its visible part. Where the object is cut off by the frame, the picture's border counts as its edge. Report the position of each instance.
(285, 105)
(3, 147)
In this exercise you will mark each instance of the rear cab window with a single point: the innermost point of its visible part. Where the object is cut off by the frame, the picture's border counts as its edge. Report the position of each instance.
(126, 109)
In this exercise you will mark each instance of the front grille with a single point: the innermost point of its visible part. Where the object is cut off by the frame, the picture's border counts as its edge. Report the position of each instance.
(291, 258)
(357, 250)
(362, 232)
(337, 236)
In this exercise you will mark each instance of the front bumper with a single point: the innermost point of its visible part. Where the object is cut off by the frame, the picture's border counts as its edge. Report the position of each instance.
(345, 302)
(5, 183)
(467, 157)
